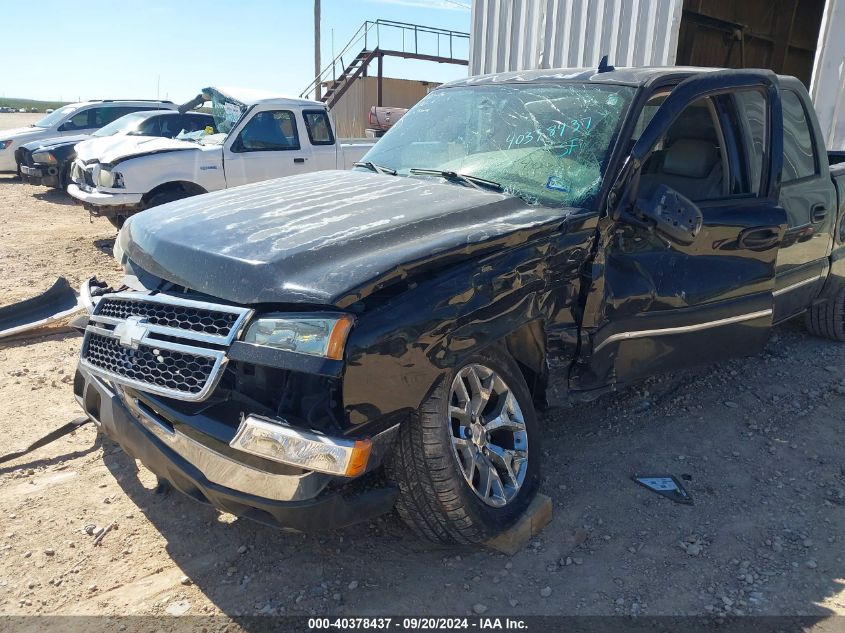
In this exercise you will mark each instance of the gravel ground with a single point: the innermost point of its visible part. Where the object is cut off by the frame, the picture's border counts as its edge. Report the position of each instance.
(759, 441)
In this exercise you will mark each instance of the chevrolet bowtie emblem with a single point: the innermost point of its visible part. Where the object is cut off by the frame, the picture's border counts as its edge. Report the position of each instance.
(131, 331)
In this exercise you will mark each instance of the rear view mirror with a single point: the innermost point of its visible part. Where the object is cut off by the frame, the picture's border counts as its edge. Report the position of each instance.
(670, 215)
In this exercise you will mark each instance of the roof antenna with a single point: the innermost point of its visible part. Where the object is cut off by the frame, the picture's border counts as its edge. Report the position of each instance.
(604, 67)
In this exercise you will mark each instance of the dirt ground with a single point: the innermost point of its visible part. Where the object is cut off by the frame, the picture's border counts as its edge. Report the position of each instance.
(759, 442)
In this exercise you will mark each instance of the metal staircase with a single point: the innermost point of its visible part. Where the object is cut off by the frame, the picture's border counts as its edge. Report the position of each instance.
(381, 38)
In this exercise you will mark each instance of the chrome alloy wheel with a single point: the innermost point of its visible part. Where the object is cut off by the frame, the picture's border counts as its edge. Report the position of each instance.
(489, 439)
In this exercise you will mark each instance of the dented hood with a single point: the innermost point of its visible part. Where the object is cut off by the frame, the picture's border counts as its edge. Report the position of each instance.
(326, 238)
(113, 149)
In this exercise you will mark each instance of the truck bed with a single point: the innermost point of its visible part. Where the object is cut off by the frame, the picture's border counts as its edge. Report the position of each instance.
(353, 149)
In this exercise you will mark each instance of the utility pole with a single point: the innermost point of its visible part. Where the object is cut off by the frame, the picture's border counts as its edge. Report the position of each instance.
(317, 68)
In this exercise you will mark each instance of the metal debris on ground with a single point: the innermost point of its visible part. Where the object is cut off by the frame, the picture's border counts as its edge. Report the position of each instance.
(58, 302)
(665, 485)
(52, 436)
(111, 526)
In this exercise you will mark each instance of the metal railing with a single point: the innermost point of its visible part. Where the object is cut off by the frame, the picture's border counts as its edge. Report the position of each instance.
(369, 37)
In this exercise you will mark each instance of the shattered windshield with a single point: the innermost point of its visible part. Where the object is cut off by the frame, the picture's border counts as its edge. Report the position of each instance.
(547, 143)
(226, 112)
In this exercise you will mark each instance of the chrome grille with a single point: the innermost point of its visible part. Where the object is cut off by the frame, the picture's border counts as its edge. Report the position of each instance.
(212, 322)
(161, 344)
(176, 371)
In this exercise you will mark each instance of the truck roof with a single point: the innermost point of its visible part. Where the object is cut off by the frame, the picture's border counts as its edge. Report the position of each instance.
(631, 76)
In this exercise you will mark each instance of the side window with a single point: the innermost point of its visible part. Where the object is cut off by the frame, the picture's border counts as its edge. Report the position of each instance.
(650, 108)
(274, 130)
(690, 157)
(746, 112)
(799, 159)
(151, 127)
(105, 115)
(318, 126)
(78, 121)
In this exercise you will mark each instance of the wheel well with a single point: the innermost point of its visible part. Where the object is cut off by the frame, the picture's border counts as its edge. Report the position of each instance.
(527, 345)
(192, 189)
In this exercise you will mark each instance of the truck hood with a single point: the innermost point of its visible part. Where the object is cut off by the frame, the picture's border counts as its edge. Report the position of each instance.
(114, 149)
(21, 133)
(327, 238)
(52, 143)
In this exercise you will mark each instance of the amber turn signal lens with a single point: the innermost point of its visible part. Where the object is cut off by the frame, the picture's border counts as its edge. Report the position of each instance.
(337, 339)
(360, 456)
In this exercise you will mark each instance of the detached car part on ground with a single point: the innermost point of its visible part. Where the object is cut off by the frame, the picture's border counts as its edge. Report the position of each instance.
(48, 162)
(261, 136)
(515, 241)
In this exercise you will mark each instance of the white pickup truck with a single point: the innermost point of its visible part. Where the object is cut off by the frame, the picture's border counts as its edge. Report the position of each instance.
(262, 136)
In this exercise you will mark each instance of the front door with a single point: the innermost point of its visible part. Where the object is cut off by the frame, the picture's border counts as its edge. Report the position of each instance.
(657, 304)
(268, 145)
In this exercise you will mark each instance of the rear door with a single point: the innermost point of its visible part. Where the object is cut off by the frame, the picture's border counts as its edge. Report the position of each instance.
(657, 306)
(809, 198)
(269, 144)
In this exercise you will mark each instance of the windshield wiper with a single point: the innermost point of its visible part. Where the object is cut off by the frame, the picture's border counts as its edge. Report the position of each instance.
(379, 169)
(453, 176)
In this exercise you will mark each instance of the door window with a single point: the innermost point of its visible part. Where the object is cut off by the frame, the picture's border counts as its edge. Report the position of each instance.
(749, 115)
(78, 121)
(690, 157)
(799, 159)
(318, 126)
(151, 127)
(105, 115)
(274, 130)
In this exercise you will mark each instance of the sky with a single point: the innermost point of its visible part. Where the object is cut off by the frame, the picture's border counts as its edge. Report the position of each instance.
(101, 49)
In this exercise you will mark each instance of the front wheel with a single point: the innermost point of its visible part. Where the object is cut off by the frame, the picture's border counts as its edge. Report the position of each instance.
(468, 466)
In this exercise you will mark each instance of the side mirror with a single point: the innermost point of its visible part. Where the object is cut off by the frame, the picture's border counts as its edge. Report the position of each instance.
(670, 215)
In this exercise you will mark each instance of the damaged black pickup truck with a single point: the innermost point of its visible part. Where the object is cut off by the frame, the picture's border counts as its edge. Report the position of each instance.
(315, 350)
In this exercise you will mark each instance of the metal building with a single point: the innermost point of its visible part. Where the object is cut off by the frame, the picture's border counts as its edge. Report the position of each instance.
(795, 37)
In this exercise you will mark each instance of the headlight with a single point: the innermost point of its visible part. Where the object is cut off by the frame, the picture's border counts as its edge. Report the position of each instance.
(5, 144)
(305, 449)
(313, 334)
(109, 179)
(44, 157)
(105, 178)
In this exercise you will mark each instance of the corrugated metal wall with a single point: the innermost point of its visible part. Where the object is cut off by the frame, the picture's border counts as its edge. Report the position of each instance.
(522, 34)
(828, 84)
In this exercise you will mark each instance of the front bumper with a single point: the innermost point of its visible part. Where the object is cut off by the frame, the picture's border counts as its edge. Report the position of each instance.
(210, 477)
(40, 175)
(106, 203)
(7, 160)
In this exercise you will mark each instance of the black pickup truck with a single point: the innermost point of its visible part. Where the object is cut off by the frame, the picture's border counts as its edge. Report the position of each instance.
(315, 350)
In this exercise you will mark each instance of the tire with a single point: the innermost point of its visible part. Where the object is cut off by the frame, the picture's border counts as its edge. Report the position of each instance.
(166, 196)
(160, 198)
(432, 453)
(827, 319)
(117, 221)
(64, 178)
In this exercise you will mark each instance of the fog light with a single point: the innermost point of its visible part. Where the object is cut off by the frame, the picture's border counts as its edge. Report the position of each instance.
(305, 449)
